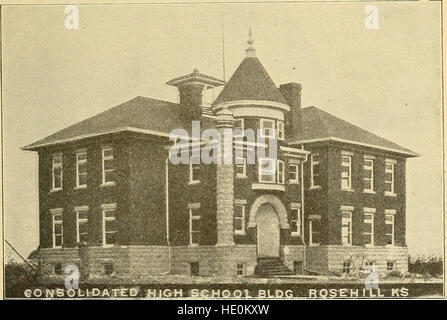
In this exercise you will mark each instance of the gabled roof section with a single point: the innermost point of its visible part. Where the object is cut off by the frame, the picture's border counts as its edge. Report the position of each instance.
(319, 125)
(139, 114)
(250, 81)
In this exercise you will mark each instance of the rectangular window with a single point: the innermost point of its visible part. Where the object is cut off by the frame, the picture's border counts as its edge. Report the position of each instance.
(389, 229)
(194, 225)
(240, 269)
(267, 170)
(82, 224)
(109, 225)
(346, 267)
(368, 177)
(368, 229)
(315, 170)
(108, 166)
(280, 129)
(238, 127)
(58, 228)
(241, 167)
(295, 220)
(389, 266)
(294, 174)
(280, 171)
(314, 232)
(194, 169)
(267, 128)
(81, 168)
(346, 227)
(239, 217)
(56, 172)
(389, 177)
(346, 172)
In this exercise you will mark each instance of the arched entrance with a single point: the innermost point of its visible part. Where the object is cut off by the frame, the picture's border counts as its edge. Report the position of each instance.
(268, 231)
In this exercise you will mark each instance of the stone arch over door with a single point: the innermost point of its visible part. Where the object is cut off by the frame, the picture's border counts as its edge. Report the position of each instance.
(276, 203)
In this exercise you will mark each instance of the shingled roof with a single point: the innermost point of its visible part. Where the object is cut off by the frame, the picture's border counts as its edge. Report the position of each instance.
(250, 81)
(319, 125)
(139, 114)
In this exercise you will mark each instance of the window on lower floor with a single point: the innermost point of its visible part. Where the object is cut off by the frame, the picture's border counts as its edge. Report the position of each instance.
(389, 265)
(109, 225)
(194, 169)
(314, 232)
(294, 174)
(239, 217)
(194, 268)
(295, 220)
(58, 228)
(194, 225)
(298, 267)
(240, 269)
(108, 268)
(315, 170)
(280, 171)
(346, 227)
(241, 166)
(389, 229)
(57, 268)
(346, 268)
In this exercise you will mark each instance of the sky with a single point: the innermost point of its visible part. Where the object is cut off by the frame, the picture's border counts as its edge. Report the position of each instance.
(387, 81)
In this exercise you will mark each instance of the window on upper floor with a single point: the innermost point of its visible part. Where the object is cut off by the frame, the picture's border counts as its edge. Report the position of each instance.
(109, 226)
(346, 171)
(368, 174)
(295, 220)
(56, 172)
(280, 171)
(194, 169)
(81, 224)
(267, 127)
(108, 166)
(390, 177)
(195, 218)
(315, 171)
(241, 165)
(280, 129)
(294, 177)
(81, 168)
(238, 127)
(346, 227)
(389, 227)
(58, 228)
(267, 168)
(239, 216)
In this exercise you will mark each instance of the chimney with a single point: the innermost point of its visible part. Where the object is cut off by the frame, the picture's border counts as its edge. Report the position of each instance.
(292, 93)
(192, 87)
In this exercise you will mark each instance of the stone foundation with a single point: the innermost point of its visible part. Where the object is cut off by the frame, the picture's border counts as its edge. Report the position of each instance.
(325, 259)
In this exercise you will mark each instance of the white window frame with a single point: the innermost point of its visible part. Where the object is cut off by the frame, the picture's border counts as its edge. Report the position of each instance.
(280, 174)
(390, 213)
(79, 210)
(273, 128)
(280, 129)
(242, 204)
(296, 207)
(260, 170)
(78, 163)
(242, 269)
(54, 212)
(243, 166)
(53, 167)
(314, 163)
(241, 120)
(349, 210)
(297, 170)
(104, 158)
(311, 242)
(192, 207)
(391, 162)
(369, 167)
(348, 164)
(105, 208)
(191, 171)
(371, 213)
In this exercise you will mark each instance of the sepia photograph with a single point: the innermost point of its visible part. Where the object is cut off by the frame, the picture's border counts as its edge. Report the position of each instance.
(223, 150)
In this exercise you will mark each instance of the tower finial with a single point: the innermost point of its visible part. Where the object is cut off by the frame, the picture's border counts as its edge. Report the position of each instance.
(251, 51)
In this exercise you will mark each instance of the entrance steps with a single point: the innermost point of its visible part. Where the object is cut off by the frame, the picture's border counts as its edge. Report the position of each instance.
(271, 267)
